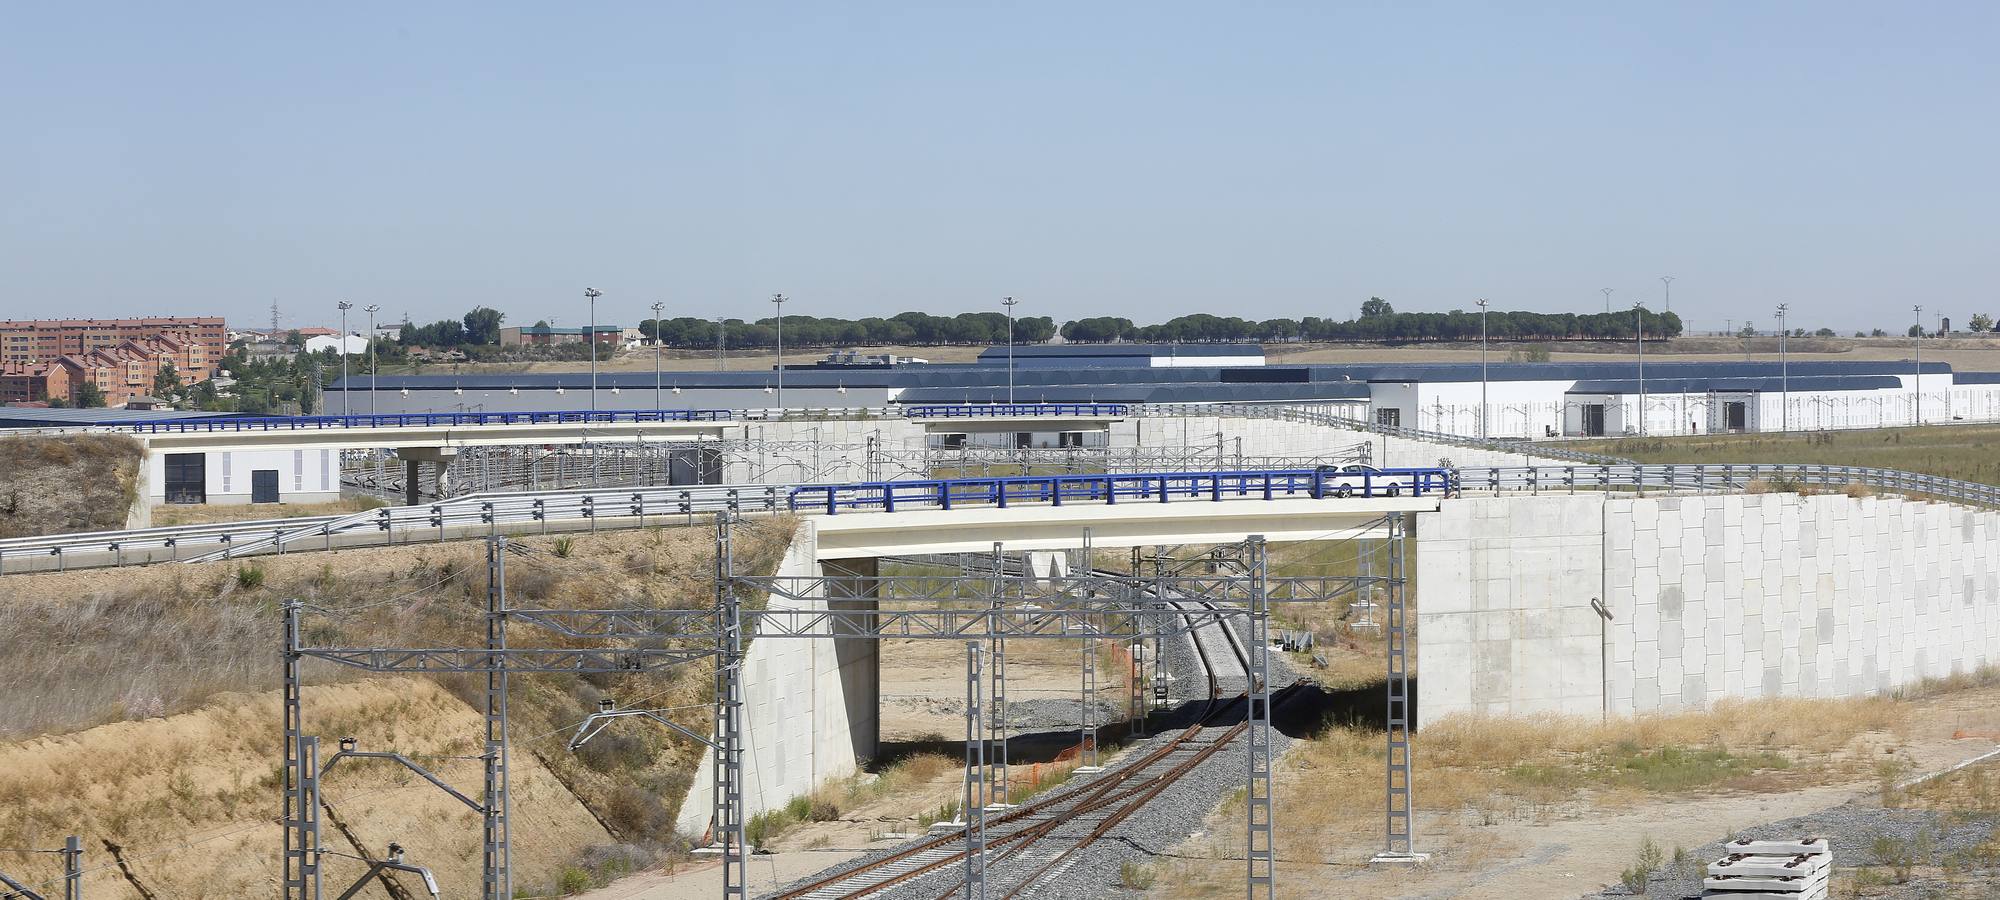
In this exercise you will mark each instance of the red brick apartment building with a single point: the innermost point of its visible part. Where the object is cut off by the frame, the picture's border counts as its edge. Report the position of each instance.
(45, 358)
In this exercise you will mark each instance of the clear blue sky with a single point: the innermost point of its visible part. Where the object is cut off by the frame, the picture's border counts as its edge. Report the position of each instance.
(1142, 160)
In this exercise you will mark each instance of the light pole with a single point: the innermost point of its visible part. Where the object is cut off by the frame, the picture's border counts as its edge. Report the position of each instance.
(1009, 303)
(591, 294)
(1607, 300)
(374, 368)
(659, 349)
(1917, 383)
(1639, 325)
(778, 300)
(721, 354)
(344, 386)
(1482, 368)
(1784, 373)
(1668, 280)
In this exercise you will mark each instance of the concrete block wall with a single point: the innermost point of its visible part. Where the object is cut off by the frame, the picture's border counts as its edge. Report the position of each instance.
(1778, 594)
(1504, 622)
(810, 706)
(1711, 597)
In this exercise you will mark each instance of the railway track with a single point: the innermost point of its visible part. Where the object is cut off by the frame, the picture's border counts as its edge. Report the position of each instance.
(1039, 841)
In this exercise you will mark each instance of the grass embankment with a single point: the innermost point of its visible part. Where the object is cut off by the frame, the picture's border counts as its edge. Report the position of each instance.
(1968, 452)
(65, 483)
(87, 649)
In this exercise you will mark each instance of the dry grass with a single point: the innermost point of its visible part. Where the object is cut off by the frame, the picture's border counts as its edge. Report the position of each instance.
(1488, 770)
(201, 514)
(1969, 452)
(112, 648)
(61, 484)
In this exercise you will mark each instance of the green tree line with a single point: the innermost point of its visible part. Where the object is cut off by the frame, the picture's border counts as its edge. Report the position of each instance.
(909, 328)
(1379, 321)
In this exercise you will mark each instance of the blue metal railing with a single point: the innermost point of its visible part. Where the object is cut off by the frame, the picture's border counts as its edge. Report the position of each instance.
(1008, 410)
(1163, 487)
(396, 420)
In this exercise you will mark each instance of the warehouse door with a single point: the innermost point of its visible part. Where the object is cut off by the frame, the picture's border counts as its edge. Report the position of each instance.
(187, 478)
(263, 485)
(1734, 416)
(1593, 420)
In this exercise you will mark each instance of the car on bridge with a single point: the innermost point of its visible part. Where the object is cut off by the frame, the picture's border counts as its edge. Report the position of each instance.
(1362, 480)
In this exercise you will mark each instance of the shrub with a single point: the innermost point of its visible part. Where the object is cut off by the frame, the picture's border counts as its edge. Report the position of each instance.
(573, 880)
(249, 578)
(823, 811)
(564, 547)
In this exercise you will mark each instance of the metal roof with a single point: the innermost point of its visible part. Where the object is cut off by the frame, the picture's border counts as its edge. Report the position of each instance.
(1748, 385)
(1142, 351)
(1975, 378)
(1129, 371)
(1141, 393)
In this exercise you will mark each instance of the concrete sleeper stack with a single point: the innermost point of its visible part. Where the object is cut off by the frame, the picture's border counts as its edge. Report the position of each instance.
(1771, 870)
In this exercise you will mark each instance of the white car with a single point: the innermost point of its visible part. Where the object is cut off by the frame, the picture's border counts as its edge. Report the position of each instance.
(1357, 479)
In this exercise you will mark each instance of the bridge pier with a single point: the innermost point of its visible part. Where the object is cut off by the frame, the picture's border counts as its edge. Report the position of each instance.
(413, 459)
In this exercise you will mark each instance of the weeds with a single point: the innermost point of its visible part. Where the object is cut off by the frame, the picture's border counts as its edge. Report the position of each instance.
(249, 578)
(564, 546)
(1648, 861)
(1136, 875)
(1900, 855)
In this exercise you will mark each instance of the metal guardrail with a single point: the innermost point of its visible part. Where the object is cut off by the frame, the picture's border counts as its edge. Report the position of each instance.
(395, 524)
(1158, 487)
(1725, 477)
(595, 417)
(226, 540)
(1315, 417)
(1008, 410)
(425, 420)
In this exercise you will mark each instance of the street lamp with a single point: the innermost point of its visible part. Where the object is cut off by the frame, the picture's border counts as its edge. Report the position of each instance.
(658, 350)
(1668, 280)
(591, 294)
(721, 354)
(1482, 367)
(374, 369)
(1917, 383)
(1607, 300)
(1784, 373)
(1639, 325)
(345, 388)
(1009, 303)
(778, 300)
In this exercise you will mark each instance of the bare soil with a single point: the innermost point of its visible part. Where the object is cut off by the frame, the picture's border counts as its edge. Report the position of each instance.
(67, 483)
(1486, 848)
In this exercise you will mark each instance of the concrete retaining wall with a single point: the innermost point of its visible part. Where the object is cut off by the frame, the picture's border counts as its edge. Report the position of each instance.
(1711, 597)
(810, 707)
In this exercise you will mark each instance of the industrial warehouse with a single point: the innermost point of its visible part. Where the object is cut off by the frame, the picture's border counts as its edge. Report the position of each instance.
(1528, 401)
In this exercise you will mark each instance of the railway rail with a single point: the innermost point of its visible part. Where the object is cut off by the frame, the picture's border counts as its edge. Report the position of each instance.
(1041, 839)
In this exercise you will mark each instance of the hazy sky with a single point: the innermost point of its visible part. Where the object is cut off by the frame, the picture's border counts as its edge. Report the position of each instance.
(1142, 160)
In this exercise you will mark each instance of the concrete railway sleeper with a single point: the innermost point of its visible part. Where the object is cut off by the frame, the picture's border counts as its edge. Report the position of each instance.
(1108, 800)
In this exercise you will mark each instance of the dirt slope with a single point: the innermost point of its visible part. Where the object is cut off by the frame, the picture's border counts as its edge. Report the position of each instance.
(53, 485)
(190, 799)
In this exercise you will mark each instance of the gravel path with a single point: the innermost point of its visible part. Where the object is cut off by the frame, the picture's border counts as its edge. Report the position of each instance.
(1851, 830)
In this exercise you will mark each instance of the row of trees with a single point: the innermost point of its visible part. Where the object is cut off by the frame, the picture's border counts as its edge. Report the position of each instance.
(478, 327)
(910, 328)
(1381, 322)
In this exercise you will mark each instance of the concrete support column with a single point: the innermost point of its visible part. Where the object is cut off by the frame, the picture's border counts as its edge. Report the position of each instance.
(413, 458)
